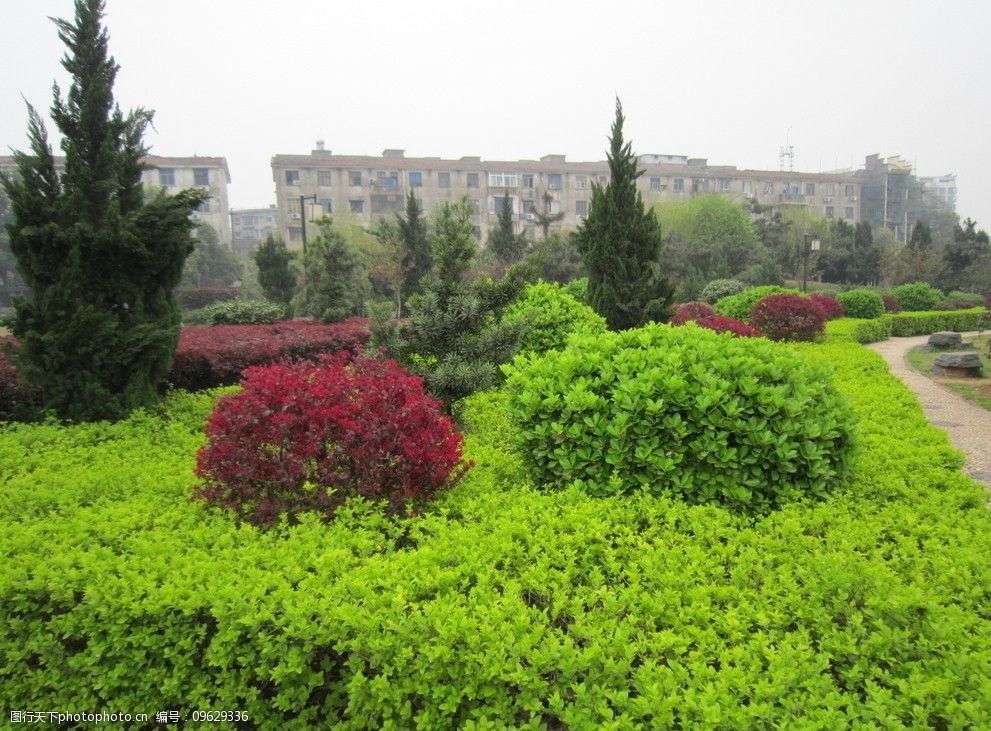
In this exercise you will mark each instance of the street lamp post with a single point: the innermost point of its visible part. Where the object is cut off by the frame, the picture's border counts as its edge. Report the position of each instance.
(812, 243)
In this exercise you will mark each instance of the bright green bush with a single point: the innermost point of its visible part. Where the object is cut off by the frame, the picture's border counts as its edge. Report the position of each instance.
(719, 288)
(739, 306)
(917, 296)
(551, 316)
(501, 606)
(925, 323)
(859, 331)
(681, 411)
(861, 303)
(236, 312)
(578, 288)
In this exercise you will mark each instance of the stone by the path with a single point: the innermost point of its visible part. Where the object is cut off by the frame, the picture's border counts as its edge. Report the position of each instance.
(957, 364)
(945, 340)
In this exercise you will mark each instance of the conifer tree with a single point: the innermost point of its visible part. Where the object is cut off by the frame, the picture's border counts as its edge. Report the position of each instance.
(507, 246)
(417, 257)
(336, 283)
(620, 243)
(101, 325)
(275, 274)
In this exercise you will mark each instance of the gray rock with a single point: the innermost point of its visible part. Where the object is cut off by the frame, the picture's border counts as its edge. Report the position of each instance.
(957, 364)
(945, 340)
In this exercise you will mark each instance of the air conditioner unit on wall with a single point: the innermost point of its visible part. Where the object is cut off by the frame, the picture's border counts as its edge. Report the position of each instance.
(853, 197)
(294, 216)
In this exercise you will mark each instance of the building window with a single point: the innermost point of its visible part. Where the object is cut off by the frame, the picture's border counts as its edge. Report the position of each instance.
(443, 180)
(829, 212)
(768, 188)
(472, 180)
(748, 187)
(415, 180)
(292, 205)
(323, 178)
(292, 177)
(527, 181)
(830, 189)
(357, 205)
(581, 182)
(495, 203)
(848, 213)
(166, 176)
(810, 189)
(554, 181)
(203, 206)
(655, 183)
(581, 208)
(201, 176)
(529, 205)
(389, 181)
(327, 205)
(724, 186)
(475, 206)
(354, 178)
(848, 191)
(700, 185)
(503, 180)
(679, 185)
(295, 234)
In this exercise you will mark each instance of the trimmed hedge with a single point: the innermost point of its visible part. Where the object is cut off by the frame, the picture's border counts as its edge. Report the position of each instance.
(501, 606)
(861, 303)
(236, 312)
(859, 331)
(551, 316)
(789, 317)
(197, 298)
(926, 323)
(719, 288)
(739, 306)
(690, 312)
(917, 296)
(684, 411)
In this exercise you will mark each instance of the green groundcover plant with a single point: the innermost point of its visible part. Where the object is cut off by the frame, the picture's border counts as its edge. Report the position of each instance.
(501, 605)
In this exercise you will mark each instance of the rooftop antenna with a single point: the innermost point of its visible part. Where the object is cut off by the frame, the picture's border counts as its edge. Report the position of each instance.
(787, 153)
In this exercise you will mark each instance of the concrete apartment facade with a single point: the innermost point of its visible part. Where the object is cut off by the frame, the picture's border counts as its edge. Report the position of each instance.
(366, 188)
(251, 226)
(175, 173)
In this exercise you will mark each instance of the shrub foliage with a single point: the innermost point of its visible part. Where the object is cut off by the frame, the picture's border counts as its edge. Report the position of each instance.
(789, 317)
(861, 303)
(237, 312)
(829, 305)
(739, 306)
(891, 305)
(306, 437)
(721, 324)
(685, 411)
(719, 288)
(550, 316)
(691, 311)
(917, 296)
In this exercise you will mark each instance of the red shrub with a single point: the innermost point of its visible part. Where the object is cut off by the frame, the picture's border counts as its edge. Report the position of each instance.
(722, 324)
(691, 311)
(830, 306)
(891, 305)
(789, 317)
(197, 297)
(216, 356)
(307, 436)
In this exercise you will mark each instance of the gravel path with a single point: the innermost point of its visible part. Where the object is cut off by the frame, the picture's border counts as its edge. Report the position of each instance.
(969, 426)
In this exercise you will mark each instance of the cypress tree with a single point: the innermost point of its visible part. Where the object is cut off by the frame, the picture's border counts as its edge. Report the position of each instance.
(417, 256)
(275, 274)
(101, 325)
(507, 246)
(620, 243)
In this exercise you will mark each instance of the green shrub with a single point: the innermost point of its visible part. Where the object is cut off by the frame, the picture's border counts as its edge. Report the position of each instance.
(975, 300)
(925, 323)
(550, 315)
(861, 304)
(578, 288)
(859, 331)
(236, 312)
(719, 288)
(739, 306)
(917, 296)
(684, 411)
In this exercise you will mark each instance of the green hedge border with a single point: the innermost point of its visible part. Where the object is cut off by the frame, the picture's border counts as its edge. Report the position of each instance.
(903, 324)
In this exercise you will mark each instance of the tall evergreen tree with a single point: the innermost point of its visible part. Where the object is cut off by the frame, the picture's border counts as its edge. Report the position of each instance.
(275, 274)
(417, 257)
(211, 264)
(620, 243)
(507, 246)
(922, 238)
(336, 284)
(101, 326)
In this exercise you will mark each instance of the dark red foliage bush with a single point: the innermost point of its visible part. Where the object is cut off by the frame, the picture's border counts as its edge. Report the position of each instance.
(216, 356)
(17, 398)
(197, 297)
(722, 324)
(829, 305)
(691, 311)
(891, 305)
(789, 317)
(307, 436)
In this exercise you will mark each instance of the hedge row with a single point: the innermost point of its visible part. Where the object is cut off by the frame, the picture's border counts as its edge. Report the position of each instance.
(215, 356)
(502, 605)
(903, 324)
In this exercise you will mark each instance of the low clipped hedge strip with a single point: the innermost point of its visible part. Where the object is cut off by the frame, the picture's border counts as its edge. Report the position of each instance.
(236, 312)
(502, 606)
(859, 331)
(925, 323)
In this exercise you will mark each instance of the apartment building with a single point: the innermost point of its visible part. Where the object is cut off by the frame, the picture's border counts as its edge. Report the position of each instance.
(175, 173)
(942, 188)
(365, 188)
(250, 226)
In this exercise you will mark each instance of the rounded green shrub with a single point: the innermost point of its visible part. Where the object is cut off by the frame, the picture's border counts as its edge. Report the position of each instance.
(719, 288)
(739, 306)
(683, 410)
(551, 316)
(861, 303)
(578, 288)
(917, 297)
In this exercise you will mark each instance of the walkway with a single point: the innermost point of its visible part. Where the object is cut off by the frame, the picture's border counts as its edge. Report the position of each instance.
(968, 426)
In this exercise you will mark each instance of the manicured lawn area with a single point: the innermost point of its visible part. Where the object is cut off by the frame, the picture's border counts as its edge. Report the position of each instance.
(975, 390)
(502, 603)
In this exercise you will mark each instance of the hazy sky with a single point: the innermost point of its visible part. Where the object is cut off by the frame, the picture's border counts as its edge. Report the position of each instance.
(729, 81)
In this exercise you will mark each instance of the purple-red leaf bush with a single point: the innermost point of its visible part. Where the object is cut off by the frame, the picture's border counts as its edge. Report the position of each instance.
(691, 311)
(723, 324)
(789, 317)
(830, 306)
(307, 436)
